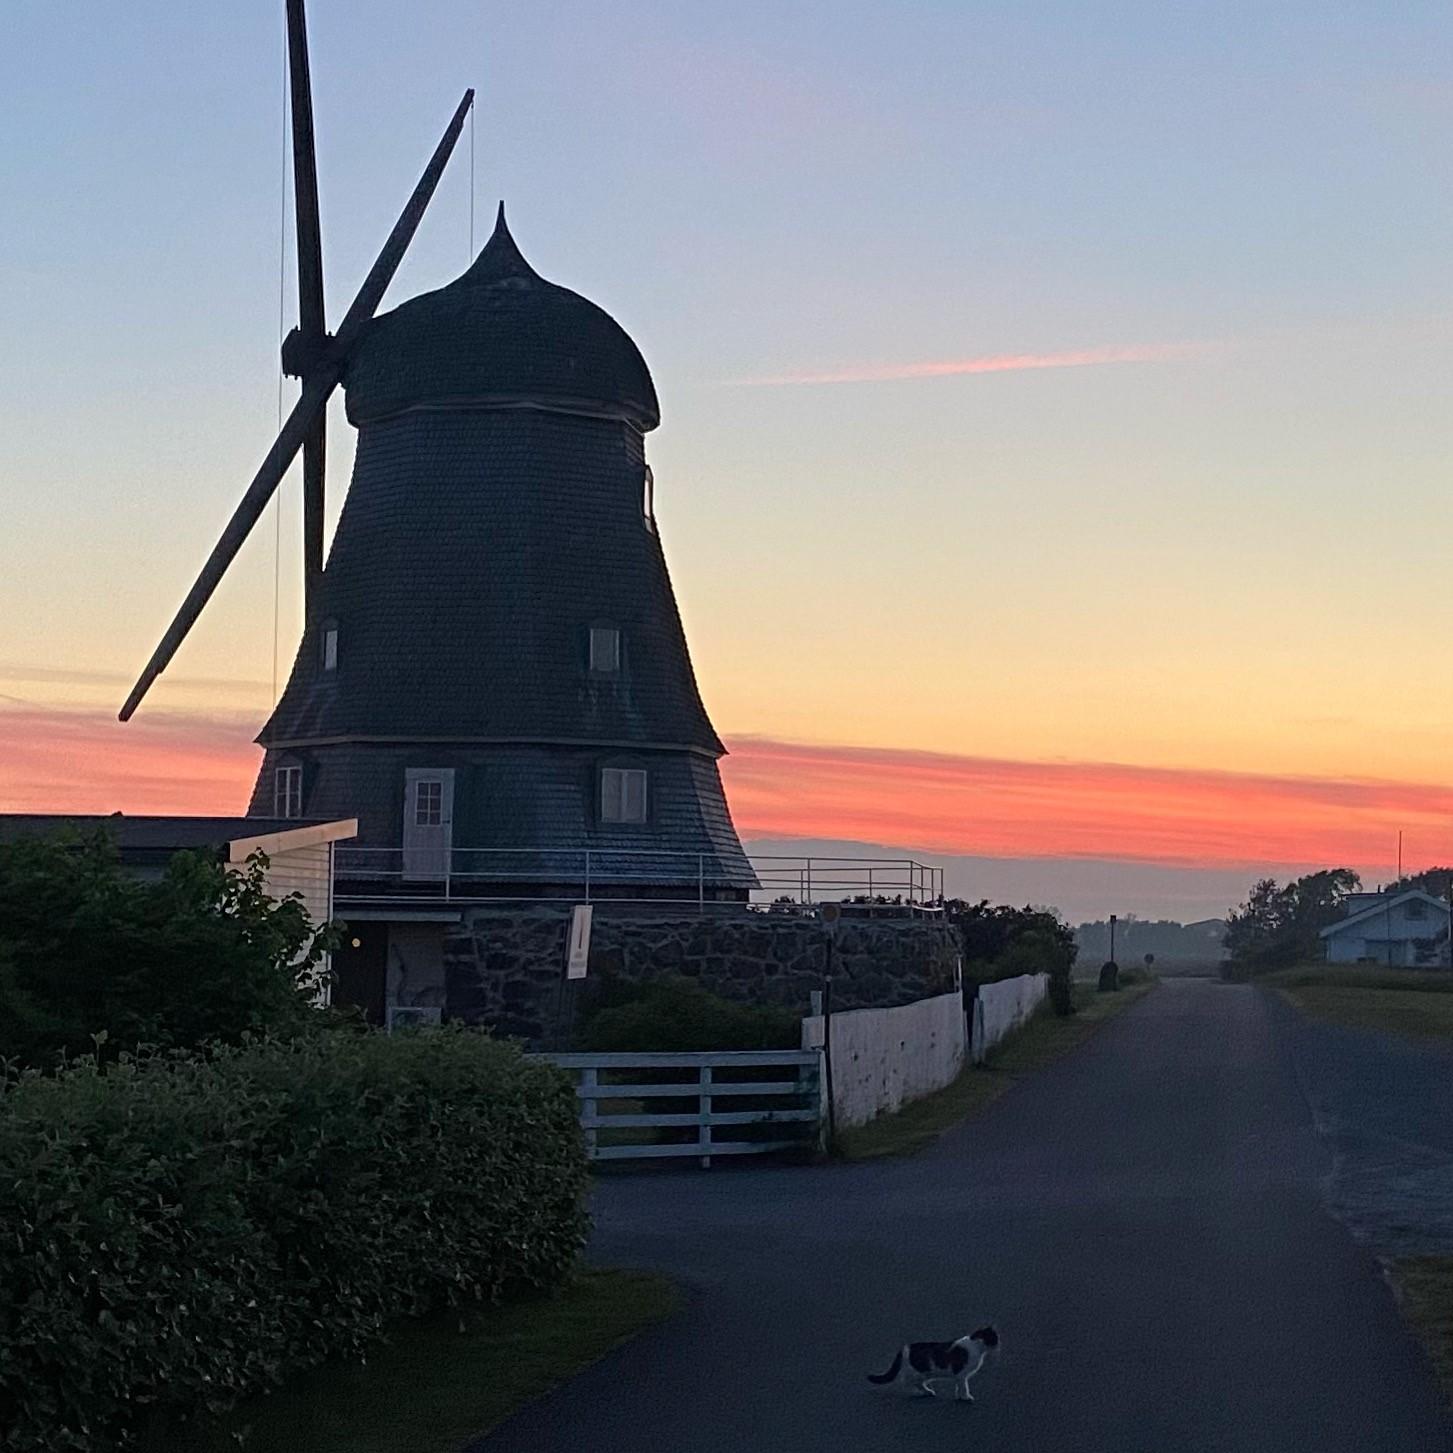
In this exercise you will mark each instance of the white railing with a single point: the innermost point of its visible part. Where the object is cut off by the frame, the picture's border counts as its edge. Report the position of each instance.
(615, 1089)
(771, 882)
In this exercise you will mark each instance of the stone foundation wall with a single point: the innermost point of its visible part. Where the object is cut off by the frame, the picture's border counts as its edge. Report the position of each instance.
(503, 965)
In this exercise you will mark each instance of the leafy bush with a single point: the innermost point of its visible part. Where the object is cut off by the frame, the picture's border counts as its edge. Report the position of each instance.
(675, 1013)
(1000, 942)
(86, 949)
(182, 1230)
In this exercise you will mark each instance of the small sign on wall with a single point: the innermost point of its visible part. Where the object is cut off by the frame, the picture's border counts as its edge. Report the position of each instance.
(577, 957)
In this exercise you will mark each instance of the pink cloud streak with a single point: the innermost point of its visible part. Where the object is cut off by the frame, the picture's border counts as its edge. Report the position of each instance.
(83, 760)
(990, 363)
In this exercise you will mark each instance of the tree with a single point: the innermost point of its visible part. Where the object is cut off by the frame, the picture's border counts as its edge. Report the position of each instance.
(1000, 942)
(91, 954)
(1434, 881)
(1278, 926)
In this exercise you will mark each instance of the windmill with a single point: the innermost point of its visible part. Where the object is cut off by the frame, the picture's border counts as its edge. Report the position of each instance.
(310, 353)
(493, 678)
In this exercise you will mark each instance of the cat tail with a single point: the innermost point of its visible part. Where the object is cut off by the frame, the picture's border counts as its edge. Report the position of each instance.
(884, 1377)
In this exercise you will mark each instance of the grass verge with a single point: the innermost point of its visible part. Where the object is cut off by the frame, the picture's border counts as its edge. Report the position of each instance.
(433, 1387)
(1044, 1039)
(1409, 1002)
(1425, 1287)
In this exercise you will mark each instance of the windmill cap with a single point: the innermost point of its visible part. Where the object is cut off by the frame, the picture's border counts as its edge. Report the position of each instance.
(500, 335)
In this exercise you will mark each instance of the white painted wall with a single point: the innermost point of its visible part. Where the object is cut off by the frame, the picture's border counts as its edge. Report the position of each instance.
(307, 871)
(1003, 1007)
(883, 1058)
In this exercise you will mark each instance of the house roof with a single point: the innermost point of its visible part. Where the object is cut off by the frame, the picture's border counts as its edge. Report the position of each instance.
(1386, 906)
(158, 837)
(500, 335)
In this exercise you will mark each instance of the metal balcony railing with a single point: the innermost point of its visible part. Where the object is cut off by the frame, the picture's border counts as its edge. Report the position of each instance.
(767, 883)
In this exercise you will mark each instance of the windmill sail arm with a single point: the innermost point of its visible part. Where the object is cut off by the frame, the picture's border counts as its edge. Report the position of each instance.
(307, 409)
(319, 384)
(381, 274)
(305, 178)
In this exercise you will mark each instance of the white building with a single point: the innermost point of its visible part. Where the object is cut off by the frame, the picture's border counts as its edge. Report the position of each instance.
(1406, 930)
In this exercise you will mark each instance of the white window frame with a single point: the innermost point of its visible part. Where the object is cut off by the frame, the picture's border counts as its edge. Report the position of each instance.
(605, 650)
(330, 646)
(287, 791)
(429, 802)
(623, 795)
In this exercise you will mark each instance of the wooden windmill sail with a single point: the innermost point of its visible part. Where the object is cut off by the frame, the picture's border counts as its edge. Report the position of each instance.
(309, 353)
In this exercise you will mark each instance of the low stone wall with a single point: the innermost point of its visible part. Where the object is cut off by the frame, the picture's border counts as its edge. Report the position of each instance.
(503, 965)
(1003, 1007)
(883, 1058)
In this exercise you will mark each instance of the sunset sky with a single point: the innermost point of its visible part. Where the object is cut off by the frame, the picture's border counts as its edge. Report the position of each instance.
(1055, 446)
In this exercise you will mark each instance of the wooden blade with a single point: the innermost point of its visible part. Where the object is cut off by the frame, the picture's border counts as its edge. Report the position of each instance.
(315, 455)
(305, 178)
(381, 274)
(306, 414)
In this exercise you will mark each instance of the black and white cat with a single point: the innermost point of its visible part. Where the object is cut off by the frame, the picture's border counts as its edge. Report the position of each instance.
(921, 1365)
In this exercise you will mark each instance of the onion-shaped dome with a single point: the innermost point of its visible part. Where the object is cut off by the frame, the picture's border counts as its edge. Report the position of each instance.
(500, 336)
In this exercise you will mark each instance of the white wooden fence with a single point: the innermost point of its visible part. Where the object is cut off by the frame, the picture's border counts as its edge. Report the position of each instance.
(614, 1093)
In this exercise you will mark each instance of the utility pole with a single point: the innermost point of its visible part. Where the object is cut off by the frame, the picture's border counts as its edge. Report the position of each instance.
(1112, 938)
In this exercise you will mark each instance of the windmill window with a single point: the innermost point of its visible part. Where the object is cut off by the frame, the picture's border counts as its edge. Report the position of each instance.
(429, 804)
(287, 792)
(648, 500)
(622, 794)
(330, 646)
(605, 650)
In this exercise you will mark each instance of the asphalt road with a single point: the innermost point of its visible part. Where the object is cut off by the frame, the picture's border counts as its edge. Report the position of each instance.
(1143, 1222)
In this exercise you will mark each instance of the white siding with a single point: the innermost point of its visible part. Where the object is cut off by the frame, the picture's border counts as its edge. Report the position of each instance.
(307, 871)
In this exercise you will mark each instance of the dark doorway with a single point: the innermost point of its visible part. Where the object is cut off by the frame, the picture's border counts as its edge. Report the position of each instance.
(360, 965)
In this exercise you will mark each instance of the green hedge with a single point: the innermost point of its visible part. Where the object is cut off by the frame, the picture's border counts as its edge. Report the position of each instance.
(180, 1231)
(674, 1013)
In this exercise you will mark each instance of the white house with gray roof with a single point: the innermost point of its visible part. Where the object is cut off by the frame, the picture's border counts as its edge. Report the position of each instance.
(1405, 930)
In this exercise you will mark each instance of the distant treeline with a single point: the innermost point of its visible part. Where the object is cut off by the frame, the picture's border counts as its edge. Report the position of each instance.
(1170, 942)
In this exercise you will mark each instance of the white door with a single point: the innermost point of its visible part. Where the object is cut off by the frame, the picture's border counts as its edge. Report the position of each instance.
(428, 822)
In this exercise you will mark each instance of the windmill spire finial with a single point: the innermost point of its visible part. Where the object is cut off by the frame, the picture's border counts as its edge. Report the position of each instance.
(500, 258)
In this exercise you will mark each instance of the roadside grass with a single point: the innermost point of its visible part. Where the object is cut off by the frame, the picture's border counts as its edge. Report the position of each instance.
(1410, 1002)
(440, 1381)
(1425, 1284)
(1044, 1039)
(1360, 976)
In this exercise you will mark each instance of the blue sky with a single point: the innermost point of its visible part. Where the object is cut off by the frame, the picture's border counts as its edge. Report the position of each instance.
(1166, 562)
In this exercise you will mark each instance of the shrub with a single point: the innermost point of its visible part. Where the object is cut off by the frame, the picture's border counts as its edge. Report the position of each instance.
(182, 1230)
(678, 1014)
(87, 949)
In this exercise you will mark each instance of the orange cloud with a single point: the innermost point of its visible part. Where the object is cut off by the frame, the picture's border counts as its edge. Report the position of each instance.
(992, 363)
(991, 807)
(58, 760)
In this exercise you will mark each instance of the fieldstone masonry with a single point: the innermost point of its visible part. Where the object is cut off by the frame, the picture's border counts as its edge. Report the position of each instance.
(503, 965)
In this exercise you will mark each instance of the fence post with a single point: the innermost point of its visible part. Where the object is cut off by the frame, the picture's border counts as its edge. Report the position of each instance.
(827, 1044)
(587, 875)
(703, 1137)
(588, 1102)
